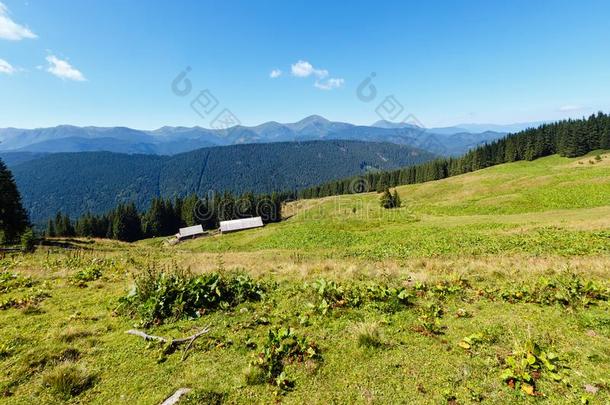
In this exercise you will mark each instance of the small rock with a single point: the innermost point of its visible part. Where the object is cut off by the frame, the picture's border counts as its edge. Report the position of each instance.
(591, 389)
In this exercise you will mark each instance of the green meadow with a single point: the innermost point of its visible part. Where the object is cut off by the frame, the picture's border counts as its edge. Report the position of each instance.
(488, 287)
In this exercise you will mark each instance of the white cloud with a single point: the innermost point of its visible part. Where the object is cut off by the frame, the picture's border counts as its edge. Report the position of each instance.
(275, 73)
(63, 69)
(329, 84)
(6, 67)
(304, 69)
(9, 29)
(571, 108)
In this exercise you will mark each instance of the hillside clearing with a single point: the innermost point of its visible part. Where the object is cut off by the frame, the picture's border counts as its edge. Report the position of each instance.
(482, 288)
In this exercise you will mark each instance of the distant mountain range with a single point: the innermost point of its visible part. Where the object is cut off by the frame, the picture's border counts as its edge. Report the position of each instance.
(174, 140)
(96, 181)
(472, 128)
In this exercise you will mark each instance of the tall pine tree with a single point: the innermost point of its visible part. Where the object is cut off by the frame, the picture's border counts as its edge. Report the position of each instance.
(13, 217)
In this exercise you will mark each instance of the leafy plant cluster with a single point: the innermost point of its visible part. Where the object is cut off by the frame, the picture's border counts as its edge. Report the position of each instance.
(528, 364)
(71, 259)
(282, 346)
(10, 281)
(329, 294)
(28, 300)
(443, 288)
(566, 290)
(89, 273)
(159, 295)
(429, 320)
(474, 341)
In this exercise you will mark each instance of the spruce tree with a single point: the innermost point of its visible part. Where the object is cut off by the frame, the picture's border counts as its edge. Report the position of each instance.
(69, 230)
(126, 225)
(50, 232)
(386, 200)
(13, 217)
(191, 208)
(396, 199)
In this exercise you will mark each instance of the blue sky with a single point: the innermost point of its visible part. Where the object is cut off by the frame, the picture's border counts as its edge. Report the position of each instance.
(112, 62)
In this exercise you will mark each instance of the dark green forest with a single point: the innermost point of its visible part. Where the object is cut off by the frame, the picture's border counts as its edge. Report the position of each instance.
(568, 138)
(96, 182)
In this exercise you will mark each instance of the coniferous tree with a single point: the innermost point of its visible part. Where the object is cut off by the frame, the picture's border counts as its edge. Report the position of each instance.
(13, 217)
(50, 232)
(396, 199)
(188, 213)
(28, 240)
(386, 200)
(126, 225)
(382, 183)
(67, 226)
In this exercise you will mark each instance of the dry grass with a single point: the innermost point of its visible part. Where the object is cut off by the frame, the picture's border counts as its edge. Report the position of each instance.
(282, 265)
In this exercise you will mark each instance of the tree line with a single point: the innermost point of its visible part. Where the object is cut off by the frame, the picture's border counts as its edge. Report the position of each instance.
(568, 138)
(165, 216)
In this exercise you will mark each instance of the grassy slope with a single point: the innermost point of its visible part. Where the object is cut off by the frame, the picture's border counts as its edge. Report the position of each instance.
(497, 227)
(551, 206)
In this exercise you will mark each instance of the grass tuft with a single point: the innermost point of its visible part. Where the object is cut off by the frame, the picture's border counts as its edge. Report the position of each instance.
(369, 335)
(70, 334)
(68, 380)
(204, 397)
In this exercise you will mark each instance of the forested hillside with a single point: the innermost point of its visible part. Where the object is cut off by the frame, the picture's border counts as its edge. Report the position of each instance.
(96, 182)
(568, 138)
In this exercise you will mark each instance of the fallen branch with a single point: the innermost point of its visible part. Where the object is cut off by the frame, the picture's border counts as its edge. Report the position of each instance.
(172, 343)
(176, 396)
(146, 336)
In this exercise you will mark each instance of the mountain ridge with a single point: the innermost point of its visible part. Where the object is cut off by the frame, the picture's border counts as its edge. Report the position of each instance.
(170, 140)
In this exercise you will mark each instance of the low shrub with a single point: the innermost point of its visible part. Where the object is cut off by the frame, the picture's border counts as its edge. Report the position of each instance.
(443, 288)
(159, 295)
(528, 364)
(429, 320)
(568, 290)
(10, 281)
(329, 294)
(27, 301)
(282, 346)
(489, 334)
(89, 273)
